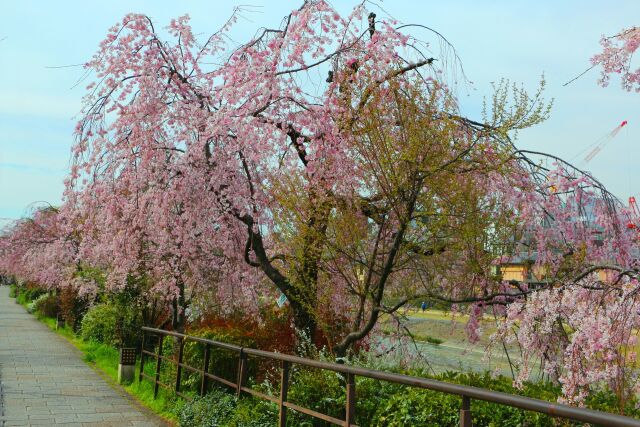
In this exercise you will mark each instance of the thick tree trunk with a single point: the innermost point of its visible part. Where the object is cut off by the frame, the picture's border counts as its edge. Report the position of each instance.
(301, 288)
(305, 327)
(305, 291)
(178, 318)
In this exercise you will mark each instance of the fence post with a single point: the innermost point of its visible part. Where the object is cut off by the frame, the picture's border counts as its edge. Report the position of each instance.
(205, 369)
(284, 388)
(351, 400)
(179, 367)
(465, 412)
(142, 357)
(158, 362)
(242, 371)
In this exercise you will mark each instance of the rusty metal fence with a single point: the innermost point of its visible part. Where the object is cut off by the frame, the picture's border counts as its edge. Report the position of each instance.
(239, 385)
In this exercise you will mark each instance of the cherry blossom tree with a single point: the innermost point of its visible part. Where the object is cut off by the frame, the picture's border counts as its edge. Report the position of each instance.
(38, 249)
(228, 133)
(582, 325)
(248, 166)
(274, 158)
(579, 322)
(616, 58)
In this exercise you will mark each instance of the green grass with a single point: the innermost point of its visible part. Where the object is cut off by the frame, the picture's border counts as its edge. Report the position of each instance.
(105, 358)
(429, 339)
(438, 327)
(438, 315)
(22, 300)
(419, 337)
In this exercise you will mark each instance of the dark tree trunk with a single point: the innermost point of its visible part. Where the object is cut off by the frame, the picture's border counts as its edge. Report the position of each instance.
(179, 318)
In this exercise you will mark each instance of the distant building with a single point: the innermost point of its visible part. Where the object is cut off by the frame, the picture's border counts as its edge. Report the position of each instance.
(522, 268)
(522, 264)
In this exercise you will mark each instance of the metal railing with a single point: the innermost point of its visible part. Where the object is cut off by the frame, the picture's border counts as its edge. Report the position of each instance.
(467, 393)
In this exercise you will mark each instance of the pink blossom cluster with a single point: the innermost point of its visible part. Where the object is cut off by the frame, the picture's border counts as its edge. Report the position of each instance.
(617, 56)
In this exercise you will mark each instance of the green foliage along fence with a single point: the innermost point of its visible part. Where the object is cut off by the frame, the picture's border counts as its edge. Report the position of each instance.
(252, 363)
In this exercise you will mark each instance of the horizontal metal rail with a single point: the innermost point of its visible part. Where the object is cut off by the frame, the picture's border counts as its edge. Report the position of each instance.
(468, 393)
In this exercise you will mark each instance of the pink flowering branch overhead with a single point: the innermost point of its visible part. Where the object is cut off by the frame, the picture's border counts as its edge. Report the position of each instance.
(617, 57)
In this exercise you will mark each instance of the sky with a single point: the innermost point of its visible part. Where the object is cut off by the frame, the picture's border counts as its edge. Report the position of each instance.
(42, 43)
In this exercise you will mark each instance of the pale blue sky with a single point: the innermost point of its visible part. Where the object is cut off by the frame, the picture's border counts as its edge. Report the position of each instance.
(517, 40)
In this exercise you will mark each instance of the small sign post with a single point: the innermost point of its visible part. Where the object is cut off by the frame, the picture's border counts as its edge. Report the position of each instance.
(127, 365)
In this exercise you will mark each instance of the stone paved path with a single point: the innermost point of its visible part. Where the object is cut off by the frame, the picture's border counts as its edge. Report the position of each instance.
(43, 380)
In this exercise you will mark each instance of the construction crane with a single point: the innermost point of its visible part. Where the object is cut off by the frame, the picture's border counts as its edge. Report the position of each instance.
(634, 214)
(594, 149)
(597, 146)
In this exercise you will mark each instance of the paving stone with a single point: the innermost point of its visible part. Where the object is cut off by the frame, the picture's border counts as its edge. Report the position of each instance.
(43, 380)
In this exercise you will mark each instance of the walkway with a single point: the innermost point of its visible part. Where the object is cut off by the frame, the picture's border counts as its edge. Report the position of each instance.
(43, 380)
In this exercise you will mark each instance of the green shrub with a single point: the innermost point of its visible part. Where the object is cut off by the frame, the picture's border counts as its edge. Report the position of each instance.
(252, 412)
(128, 326)
(212, 410)
(111, 324)
(13, 291)
(427, 407)
(219, 408)
(46, 305)
(26, 294)
(40, 300)
(418, 407)
(384, 404)
(99, 324)
(605, 400)
(321, 391)
(411, 406)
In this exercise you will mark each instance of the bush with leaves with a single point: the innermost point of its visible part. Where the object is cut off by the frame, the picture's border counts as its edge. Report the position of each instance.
(208, 411)
(46, 305)
(219, 408)
(384, 404)
(40, 300)
(113, 323)
(27, 293)
(72, 306)
(99, 324)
